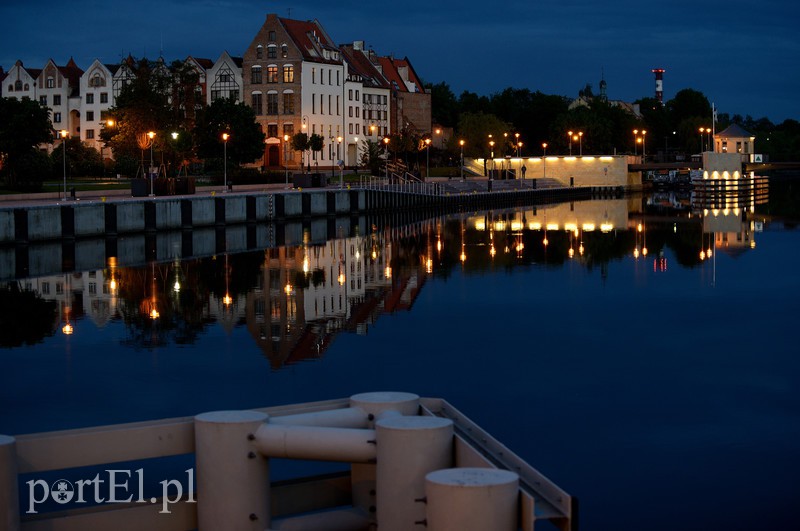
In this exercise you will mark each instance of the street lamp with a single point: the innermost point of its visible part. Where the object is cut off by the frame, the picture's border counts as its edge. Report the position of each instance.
(644, 146)
(702, 139)
(64, 134)
(386, 153)
(544, 160)
(519, 144)
(635, 140)
(225, 137)
(428, 158)
(569, 137)
(580, 142)
(305, 130)
(340, 162)
(461, 143)
(151, 135)
(285, 153)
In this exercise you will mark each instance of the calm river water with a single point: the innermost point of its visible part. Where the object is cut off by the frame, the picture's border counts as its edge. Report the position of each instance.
(640, 352)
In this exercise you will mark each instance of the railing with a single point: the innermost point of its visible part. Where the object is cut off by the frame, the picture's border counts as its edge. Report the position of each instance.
(399, 184)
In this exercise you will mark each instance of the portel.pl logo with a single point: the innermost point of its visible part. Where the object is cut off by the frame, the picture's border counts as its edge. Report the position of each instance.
(118, 486)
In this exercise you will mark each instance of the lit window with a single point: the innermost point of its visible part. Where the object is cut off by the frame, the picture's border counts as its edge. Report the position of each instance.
(288, 74)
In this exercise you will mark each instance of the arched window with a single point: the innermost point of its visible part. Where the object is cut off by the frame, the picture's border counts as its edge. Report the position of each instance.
(27, 87)
(288, 73)
(259, 52)
(11, 88)
(255, 74)
(284, 50)
(272, 52)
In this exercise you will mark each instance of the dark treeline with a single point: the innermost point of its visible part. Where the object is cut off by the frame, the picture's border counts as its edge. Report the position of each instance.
(673, 129)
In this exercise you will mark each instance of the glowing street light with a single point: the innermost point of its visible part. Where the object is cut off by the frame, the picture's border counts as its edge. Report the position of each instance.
(386, 153)
(428, 158)
(644, 146)
(151, 135)
(569, 137)
(64, 134)
(544, 160)
(580, 142)
(225, 137)
(635, 140)
(461, 144)
(285, 153)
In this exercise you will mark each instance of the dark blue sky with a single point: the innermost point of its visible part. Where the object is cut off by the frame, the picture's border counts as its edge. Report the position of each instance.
(743, 56)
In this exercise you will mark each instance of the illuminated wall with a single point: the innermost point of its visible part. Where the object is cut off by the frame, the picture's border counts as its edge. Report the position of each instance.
(584, 171)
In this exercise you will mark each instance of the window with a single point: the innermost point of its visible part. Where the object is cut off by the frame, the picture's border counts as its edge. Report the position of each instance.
(284, 50)
(104, 97)
(259, 52)
(288, 74)
(330, 109)
(350, 111)
(272, 74)
(89, 134)
(322, 104)
(329, 77)
(18, 85)
(350, 94)
(57, 99)
(272, 103)
(350, 128)
(272, 52)
(313, 104)
(358, 128)
(738, 147)
(255, 75)
(288, 103)
(271, 36)
(43, 100)
(97, 81)
(57, 117)
(50, 82)
(288, 129)
(357, 95)
(337, 105)
(90, 98)
(337, 78)
(255, 103)
(272, 130)
(90, 116)
(358, 112)
(27, 87)
(10, 88)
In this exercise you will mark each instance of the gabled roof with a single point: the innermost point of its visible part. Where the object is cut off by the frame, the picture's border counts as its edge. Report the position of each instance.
(310, 38)
(72, 72)
(734, 131)
(361, 64)
(391, 67)
(201, 61)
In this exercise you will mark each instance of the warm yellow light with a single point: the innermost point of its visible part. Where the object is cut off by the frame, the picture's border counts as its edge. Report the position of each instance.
(520, 246)
(570, 227)
(708, 253)
(571, 252)
(544, 145)
(154, 314)
(552, 226)
(635, 131)
(463, 256)
(177, 286)
(545, 241)
(535, 225)
(225, 137)
(491, 143)
(644, 251)
(305, 264)
(606, 158)
(500, 225)
(516, 225)
(636, 252)
(569, 133)
(110, 123)
(438, 131)
(67, 329)
(588, 227)
(580, 249)
(387, 272)
(288, 289)
(606, 227)
(575, 137)
(341, 279)
(374, 255)
(639, 227)
(480, 225)
(151, 135)
(112, 285)
(492, 251)
(285, 138)
(570, 158)
(174, 135)
(64, 133)
(429, 266)
(439, 245)
(702, 255)
(461, 142)
(339, 139)
(227, 300)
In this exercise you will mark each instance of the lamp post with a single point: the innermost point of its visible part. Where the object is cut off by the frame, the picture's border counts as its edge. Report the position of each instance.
(580, 142)
(151, 135)
(285, 153)
(569, 137)
(461, 143)
(702, 139)
(64, 134)
(544, 160)
(427, 158)
(305, 130)
(225, 137)
(644, 146)
(386, 154)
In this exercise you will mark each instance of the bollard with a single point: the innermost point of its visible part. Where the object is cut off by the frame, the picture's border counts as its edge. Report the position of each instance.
(472, 499)
(232, 479)
(9, 495)
(376, 406)
(408, 449)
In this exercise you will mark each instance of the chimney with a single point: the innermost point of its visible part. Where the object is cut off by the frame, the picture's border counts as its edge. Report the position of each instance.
(358, 45)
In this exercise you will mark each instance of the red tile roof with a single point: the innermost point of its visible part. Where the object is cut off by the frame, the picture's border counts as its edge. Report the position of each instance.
(72, 72)
(310, 38)
(362, 65)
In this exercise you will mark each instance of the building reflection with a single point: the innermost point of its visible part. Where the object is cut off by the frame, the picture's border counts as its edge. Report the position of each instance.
(293, 300)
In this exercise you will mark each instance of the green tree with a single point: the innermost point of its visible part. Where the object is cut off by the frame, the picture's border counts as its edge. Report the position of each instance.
(371, 156)
(246, 143)
(82, 160)
(315, 144)
(300, 143)
(475, 129)
(444, 105)
(24, 124)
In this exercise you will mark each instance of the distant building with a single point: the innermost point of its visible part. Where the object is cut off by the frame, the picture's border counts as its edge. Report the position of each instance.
(20, 82)
(734, 139)
(224, 79)
(96, 89)
(586, 98)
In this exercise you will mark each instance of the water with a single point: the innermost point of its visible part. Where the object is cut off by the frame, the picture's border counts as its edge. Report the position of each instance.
(661, 389)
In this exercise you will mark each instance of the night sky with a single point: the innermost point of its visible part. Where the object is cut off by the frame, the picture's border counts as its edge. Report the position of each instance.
(743, 56)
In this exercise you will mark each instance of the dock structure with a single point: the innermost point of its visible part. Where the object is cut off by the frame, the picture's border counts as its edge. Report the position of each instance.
(412, 461)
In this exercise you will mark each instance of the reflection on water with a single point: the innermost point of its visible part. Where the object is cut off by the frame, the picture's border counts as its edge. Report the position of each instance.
(294, 299)
(637, 351)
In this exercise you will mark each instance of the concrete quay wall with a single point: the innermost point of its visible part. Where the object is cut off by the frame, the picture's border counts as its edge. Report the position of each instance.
(69, 220)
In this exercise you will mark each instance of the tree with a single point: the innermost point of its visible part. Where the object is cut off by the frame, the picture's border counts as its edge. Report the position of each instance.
(444, 105)
(315, 144)
(689, 103)
(371, 156)
(300, 143)
(246, 142)
(81, 160)
(24, 124)
(475, 129)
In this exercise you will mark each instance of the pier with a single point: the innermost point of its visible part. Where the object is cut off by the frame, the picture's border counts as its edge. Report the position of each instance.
(411, 460)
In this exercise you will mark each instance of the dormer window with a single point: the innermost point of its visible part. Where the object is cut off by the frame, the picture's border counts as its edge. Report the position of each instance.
(259, 52)
(50, 82)
(271, 36)
(284, 50)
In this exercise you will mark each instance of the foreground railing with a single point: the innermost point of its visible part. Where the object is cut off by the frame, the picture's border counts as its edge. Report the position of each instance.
(401, 185)
(412, 461)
